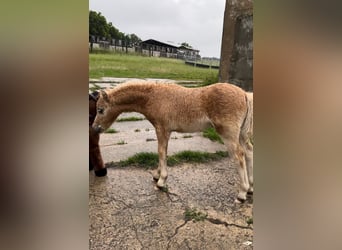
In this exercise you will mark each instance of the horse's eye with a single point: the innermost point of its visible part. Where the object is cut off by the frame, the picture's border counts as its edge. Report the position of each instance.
(100, 110)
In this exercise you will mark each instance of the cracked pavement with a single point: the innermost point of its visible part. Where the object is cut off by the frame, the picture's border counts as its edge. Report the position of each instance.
(127, 211)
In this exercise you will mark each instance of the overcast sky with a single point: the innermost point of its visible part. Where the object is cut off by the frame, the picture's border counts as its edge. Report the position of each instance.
(197, 22)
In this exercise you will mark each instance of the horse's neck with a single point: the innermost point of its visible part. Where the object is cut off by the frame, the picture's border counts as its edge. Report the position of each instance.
(132, 99)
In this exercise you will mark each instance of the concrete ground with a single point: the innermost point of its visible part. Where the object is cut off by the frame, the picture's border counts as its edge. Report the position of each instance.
(127, 211)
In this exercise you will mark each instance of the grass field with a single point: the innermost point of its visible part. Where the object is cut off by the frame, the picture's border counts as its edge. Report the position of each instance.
(125, 65)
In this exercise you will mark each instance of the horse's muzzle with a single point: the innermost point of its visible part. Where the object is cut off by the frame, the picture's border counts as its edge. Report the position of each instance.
(98, 129)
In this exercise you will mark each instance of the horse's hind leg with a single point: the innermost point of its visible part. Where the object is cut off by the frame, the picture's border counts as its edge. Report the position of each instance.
(160, 174)
(248, 148)
(237, 156)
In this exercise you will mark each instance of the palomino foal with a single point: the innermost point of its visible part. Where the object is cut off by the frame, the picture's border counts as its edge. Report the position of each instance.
(170, 107)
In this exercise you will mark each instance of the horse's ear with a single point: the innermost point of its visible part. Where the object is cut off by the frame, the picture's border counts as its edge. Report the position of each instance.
(104, 95)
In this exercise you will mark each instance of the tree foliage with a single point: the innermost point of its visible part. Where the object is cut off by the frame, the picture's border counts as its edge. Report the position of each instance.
(99, 27)
(186, 45)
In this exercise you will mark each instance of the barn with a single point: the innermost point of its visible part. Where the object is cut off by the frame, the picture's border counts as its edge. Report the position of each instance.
(156, 48)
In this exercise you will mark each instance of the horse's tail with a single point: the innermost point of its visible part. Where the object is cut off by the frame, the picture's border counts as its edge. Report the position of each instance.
(247, 125)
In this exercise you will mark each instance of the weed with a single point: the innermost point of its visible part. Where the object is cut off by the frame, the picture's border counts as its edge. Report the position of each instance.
(249, 221)
(130, 119)
(111, 131)
(193, 214)
(147, 129)
(150, 139)
(137, 130)
(174, 138)
(211, 134)
(122, 142)
(187, 136)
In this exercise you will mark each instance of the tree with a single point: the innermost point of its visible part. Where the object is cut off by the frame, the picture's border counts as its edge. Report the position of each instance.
(98, 26)
(113, 32)
(185, 44)
(135, 39)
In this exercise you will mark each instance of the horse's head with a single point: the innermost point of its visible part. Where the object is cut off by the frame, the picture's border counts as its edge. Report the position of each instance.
(104, 115)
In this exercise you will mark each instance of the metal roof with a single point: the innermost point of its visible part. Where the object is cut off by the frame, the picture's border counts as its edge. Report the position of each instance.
(155, 42)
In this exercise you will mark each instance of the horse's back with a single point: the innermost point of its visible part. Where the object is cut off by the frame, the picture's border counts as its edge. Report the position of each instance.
(224, 99)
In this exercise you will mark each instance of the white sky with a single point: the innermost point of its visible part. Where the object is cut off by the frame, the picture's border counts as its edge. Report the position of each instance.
(197, 22)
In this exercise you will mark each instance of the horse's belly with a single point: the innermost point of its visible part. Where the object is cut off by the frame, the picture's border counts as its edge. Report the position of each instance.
(193, 126)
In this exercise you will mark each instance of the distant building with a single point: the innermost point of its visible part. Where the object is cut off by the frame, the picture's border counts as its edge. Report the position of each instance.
(156, 48)
(152, 47)
(188, 53)
(149, 47)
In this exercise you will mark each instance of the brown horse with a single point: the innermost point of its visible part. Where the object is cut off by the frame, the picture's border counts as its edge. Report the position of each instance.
(170, 107)
(95, 158)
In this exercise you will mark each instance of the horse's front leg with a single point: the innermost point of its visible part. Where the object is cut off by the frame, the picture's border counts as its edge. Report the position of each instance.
(95, 158)
(160, 174)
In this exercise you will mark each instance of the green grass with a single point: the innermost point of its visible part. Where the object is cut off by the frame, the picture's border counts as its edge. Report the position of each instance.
(249, 221)
(150, 160)
(122, 142)
(210, 79)
(208, 62)
(143, 159)
(130, 119)
(193, 214)
(111, 131)
(211, 134)
(195, 157)
(126, 65)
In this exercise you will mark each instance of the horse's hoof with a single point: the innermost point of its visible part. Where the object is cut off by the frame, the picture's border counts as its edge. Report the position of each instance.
(155, 175)
(239, 200)
(100, 173)
(161, 183)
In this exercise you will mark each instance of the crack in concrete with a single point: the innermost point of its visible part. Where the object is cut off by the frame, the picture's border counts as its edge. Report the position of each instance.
(220, 222)
(168, 193)
(133, 224)
(176, 232)
(131, 217)
(136, 231)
